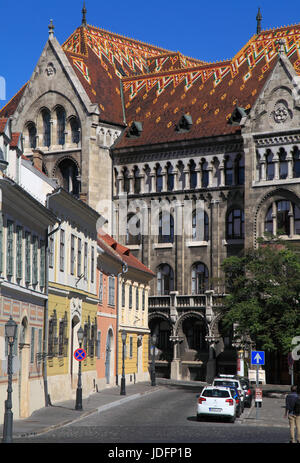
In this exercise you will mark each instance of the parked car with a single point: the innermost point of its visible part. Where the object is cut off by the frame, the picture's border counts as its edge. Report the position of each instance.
(216, 401)
(231, 381)
(248, 391)
(235, 394)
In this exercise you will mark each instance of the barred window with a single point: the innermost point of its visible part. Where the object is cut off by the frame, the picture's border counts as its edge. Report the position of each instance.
(111, 291)
(42, 264)
(27, 257)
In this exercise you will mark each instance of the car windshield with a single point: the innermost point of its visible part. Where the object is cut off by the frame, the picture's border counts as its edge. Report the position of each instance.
(226, 383)
(215, 393)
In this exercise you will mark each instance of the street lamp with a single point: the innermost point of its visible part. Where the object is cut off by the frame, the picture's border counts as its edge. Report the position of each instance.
(123, 387)
(10, 334)
(78, 404)
(153, 341)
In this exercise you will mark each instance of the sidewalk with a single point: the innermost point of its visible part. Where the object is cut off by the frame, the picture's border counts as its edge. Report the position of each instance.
(272, 411)
(63, 413)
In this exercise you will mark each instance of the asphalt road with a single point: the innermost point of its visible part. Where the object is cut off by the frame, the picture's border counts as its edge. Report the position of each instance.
(166, 416)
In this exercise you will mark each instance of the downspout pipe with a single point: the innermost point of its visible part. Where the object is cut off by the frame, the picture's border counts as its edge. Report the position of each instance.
(46, 311)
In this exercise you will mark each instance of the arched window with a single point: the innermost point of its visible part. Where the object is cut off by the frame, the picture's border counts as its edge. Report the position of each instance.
(165, 279)
(283, 165)
(137, 180)
(235, 224)
(165, 228)
(200, 226)
(46, 116)
(133, 233)
(228, 172)
(61, 125)
(204, 174)
(67, 173)
(126, 180)
(170, 177)
(270, 166)
(240, 170)
(296, 163)
(159, 179)
(31, 128)
(193, 175)
(75, 130)
(284, 217)
(199, 278)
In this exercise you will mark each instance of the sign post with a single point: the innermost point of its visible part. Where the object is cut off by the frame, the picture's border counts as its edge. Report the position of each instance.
(257, 358)
(291, 367)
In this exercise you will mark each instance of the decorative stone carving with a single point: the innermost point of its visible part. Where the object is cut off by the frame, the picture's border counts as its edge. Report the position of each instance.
(281, 112)
(50, 70)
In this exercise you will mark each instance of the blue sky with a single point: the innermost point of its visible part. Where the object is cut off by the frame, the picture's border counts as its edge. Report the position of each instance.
(211, 31)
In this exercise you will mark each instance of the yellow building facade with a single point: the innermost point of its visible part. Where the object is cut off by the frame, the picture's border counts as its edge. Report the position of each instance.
(72, 294)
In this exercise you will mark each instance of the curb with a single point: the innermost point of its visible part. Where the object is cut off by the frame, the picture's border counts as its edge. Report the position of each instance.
(85, 414)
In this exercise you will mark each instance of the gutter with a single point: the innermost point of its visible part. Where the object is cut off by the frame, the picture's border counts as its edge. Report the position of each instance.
(46, 326)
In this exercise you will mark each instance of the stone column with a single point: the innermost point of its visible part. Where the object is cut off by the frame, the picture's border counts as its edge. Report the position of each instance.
(210, 176)
(276, 166)
(186, 172)
(164, 179)
(152, 182)
(289, 159)
(222, 174)
(131, 184)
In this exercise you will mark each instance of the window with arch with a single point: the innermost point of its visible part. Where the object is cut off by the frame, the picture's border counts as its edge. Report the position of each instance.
(240, 170)
(199, 278)
(165, 228)
(193, 175)
(31, 131)
(75, 130)
(283, 164)
(235, 224)
(165, 279)
(159, 179)
(283, 217)
(296, 163)
(200, 226)
(46, 116)
(126, 180)
(61, 125)
(67, 173)
(137, 180)
(229, 171)
(170, 177)
(133, 233)
(270, 166)
(204, 174)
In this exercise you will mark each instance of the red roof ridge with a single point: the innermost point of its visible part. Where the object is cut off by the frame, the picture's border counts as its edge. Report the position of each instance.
(127, 38)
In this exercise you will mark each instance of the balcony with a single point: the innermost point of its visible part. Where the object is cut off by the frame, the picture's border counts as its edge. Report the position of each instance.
(185, 302)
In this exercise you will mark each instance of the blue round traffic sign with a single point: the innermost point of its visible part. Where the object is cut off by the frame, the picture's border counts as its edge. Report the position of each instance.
(80, 354)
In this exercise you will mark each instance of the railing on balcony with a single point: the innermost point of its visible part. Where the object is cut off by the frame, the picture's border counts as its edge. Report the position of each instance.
(185, 302)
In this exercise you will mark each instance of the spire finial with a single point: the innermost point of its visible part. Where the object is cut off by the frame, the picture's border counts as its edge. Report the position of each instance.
(51, 29)
(258, 19)
(83, 23)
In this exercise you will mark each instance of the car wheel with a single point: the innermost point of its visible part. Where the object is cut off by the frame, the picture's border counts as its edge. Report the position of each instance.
(199, 417)
(232, 419)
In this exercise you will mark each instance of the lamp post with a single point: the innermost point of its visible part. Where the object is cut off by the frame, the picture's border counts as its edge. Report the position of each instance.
(78, 404)
(10, 334)
(153, 341)
(123, 387)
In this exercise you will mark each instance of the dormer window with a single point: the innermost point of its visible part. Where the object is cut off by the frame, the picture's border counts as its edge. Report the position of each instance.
(185, 123)
(237, 116)
(135, 129)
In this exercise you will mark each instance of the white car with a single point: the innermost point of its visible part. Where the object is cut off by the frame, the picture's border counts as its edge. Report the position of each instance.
(231, 381)
(216, 401)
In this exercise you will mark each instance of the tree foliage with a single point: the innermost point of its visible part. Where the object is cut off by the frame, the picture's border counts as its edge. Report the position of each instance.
(263, 288)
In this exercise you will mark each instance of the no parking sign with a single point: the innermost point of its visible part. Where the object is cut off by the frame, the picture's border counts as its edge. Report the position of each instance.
(80, 354)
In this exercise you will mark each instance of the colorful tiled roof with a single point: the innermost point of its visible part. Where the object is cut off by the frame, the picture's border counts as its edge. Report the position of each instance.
(208, 93)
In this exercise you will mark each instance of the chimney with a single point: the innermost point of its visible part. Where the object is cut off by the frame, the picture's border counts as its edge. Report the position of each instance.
(37, 159)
